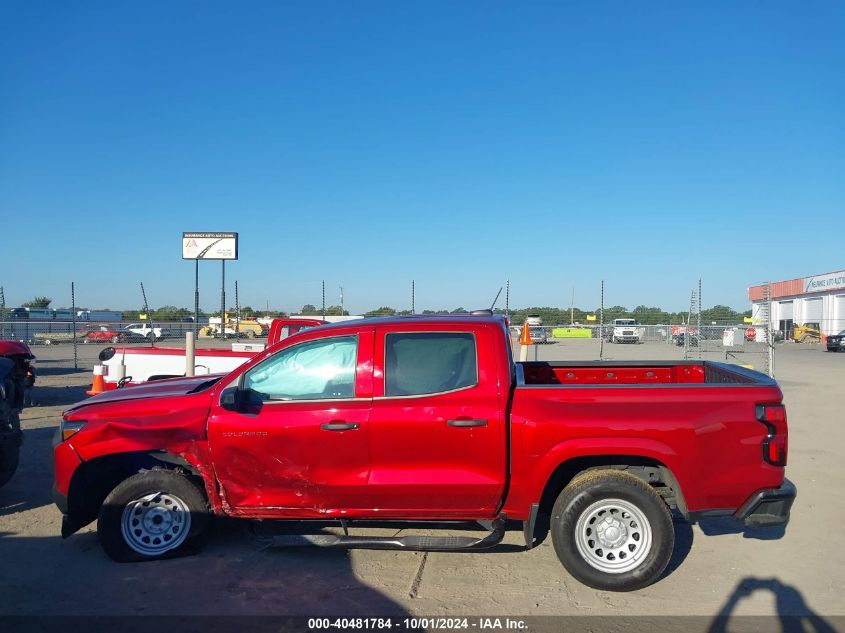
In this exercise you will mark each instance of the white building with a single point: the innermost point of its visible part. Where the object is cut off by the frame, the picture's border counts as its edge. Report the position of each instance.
(817, 299)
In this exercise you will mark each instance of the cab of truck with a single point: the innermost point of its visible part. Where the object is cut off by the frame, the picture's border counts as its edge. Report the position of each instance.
(624, 331)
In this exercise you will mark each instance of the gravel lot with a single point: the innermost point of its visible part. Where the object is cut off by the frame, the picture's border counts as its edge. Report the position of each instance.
(802, 573)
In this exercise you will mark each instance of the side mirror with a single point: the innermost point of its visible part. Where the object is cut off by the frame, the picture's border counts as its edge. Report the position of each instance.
(230, 399)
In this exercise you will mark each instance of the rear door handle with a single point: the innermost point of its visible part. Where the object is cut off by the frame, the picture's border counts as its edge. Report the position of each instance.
(339, 426)
(462, 423)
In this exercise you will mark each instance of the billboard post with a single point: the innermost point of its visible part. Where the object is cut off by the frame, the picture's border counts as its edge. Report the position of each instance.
(220, 246)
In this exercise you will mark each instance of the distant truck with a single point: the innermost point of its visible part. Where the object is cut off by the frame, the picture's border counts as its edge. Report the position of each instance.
(99, 315)
(623, 331)
(155, 363)
(249, 327)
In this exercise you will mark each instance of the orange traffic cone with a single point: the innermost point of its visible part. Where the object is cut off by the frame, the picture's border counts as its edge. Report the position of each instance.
(525, 339)
(99, 384)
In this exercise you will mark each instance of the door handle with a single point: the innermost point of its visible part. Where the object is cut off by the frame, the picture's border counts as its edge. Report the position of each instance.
(339, 426)
(463, 423)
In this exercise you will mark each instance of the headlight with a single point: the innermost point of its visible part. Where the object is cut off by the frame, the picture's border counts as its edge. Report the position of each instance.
(69, 428)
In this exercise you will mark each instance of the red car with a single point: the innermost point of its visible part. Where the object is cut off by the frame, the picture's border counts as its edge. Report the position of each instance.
(108, 334)
(430, 419)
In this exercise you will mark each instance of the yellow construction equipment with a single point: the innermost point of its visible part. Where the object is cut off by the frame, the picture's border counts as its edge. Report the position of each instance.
(807, 333)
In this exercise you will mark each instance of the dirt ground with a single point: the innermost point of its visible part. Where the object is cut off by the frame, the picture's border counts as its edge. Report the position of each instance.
(715, 570)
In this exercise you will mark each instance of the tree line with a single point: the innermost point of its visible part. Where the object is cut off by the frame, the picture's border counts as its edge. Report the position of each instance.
(645, 315)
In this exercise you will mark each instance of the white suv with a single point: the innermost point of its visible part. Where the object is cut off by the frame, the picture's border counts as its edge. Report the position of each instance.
(144, 329)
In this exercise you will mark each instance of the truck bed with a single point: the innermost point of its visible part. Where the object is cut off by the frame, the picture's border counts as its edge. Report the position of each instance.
(635, 373)
(697, 418)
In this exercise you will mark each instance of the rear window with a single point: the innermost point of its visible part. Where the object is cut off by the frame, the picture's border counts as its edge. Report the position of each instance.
(429, 362)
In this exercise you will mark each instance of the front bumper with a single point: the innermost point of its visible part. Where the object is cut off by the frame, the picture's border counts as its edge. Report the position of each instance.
(768, 508)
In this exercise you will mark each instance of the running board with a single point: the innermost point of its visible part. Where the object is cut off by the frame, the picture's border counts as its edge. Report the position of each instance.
(411, 543)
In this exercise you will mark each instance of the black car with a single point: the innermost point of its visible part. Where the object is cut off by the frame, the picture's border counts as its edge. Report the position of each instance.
(836, 342)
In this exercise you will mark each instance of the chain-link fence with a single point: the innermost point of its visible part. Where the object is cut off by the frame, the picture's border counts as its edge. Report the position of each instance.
(610, 332)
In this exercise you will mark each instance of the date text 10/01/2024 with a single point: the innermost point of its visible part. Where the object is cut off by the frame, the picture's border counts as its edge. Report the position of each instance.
(420, 623)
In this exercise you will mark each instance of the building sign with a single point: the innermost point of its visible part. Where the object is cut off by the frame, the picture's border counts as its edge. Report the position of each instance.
(209, 245)
(830, 281)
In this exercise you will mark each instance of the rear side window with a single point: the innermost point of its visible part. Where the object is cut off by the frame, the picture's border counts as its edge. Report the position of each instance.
(429, 362)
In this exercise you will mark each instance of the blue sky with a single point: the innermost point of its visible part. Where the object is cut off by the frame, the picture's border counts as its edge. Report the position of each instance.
(554, 144)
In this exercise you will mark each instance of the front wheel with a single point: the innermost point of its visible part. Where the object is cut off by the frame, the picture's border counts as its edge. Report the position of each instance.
(151, 515)
(612, 531)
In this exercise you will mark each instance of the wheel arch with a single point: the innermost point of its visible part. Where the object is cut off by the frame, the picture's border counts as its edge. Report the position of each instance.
(93, 480)
(649, 469)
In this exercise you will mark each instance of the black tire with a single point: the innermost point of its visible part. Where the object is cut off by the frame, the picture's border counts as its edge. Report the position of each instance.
(10, 454)
(587, 491)
(10, 442)
(250, 334)
(151, 337)
(131, 491)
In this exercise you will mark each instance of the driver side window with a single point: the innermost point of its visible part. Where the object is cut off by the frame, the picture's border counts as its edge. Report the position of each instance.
(314, 370)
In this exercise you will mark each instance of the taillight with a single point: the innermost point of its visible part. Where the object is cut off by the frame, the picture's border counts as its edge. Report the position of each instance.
(775, 444)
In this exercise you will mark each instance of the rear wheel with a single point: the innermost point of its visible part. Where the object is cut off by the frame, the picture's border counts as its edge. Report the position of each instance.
(612, 531)
(154, 514)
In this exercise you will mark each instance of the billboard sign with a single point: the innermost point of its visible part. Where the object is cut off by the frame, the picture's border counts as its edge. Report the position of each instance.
(209, 245)
(830, 281)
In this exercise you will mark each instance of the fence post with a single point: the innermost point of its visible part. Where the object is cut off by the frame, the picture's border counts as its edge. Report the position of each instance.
(73, 321)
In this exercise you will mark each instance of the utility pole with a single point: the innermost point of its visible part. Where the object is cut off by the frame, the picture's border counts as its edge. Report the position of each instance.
(508, 298)
(572, 308)
(413, 297)
(341, 301)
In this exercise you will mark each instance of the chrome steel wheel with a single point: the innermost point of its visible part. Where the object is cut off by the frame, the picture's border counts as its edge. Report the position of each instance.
(613, 536)
(155, 523)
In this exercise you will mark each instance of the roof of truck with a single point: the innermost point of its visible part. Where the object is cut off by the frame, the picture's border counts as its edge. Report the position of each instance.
(417, 319)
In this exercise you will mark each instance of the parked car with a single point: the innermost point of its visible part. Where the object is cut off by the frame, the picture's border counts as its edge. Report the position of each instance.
(836, 342)
(17, 377)
(147, 332)
(103, 334)
(157, 362)
(429, 419)
(539, 336)
(680, 339)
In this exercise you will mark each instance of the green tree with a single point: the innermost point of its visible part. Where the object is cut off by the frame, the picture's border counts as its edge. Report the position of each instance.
(309, 309)
(38, 302)
(170, 313)
(382, 311)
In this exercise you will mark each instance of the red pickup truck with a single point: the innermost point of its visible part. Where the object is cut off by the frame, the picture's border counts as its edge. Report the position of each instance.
(430, 419)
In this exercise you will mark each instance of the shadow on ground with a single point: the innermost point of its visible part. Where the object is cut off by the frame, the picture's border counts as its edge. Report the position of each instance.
(31, 486)
(793, 613)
